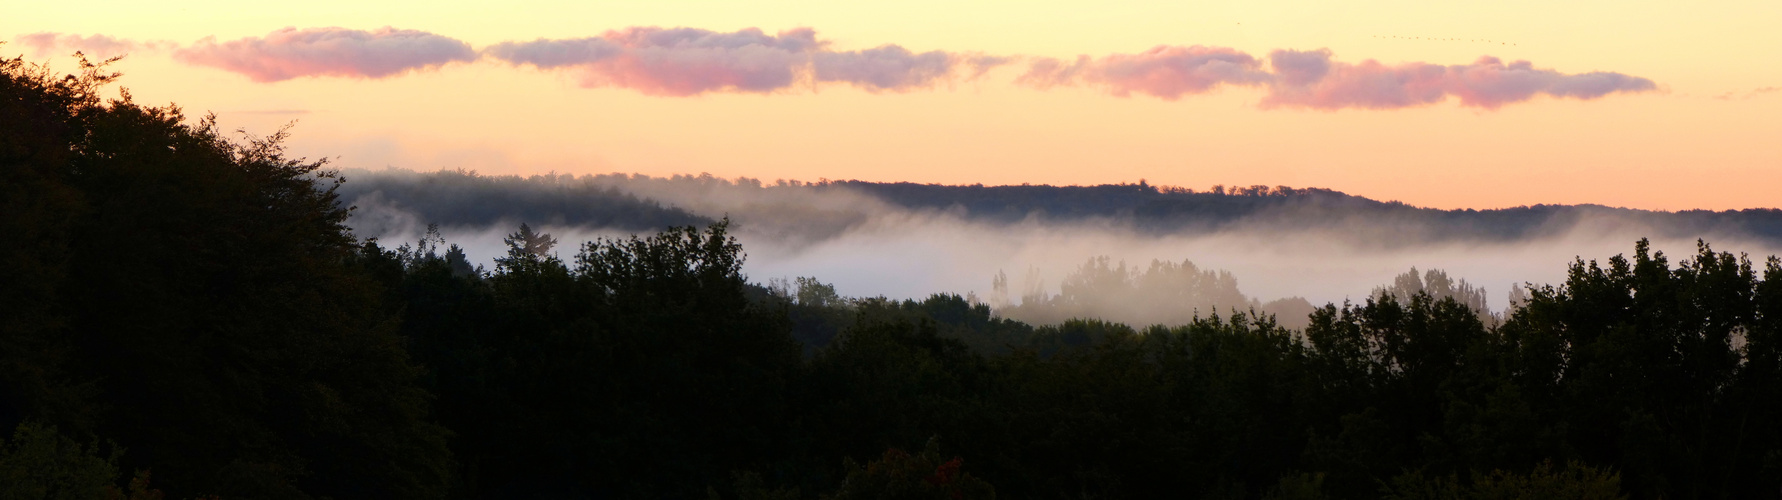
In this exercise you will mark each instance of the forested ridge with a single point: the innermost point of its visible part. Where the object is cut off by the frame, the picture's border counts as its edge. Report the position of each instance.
(460, 198)
(186, 315)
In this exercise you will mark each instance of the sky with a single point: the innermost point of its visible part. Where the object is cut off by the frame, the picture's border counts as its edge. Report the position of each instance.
(1641, 104)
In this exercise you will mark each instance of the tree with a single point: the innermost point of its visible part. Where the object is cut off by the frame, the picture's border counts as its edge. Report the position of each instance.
(39, 463)
(42, 117)
(219, 323)
(1641, 362)
(525, 242)
(639, 369)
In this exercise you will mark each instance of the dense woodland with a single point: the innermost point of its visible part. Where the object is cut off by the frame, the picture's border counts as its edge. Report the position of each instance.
(186, 315)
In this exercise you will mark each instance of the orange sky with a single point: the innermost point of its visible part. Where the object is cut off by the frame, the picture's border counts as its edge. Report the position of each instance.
(1705, 137)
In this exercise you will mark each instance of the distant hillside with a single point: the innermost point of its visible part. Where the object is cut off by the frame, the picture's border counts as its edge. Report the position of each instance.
(1165, 209)
(456, 198)
(818, 210)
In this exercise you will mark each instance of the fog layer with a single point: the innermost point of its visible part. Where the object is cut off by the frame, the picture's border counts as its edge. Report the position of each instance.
(1178, 251)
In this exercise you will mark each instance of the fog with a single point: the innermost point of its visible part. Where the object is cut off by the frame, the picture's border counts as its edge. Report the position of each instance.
(868, 246)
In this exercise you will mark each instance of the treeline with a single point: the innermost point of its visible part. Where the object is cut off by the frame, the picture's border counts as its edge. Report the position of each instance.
(814, 211)
(462, 198)
(1177, 210)
(188, 316)
(1635, 379)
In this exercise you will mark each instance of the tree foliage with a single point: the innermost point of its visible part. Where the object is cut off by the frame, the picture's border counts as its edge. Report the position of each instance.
(39, 463)
(198, 300)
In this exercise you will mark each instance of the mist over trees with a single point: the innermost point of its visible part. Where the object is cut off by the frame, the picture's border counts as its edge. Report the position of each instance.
(817, 210)
(1165, 293)
(1438, 285)
(1279, 243)
(187, 315)
(389, 201)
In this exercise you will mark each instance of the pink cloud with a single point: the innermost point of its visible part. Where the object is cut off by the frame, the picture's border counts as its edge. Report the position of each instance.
(689, 61)
(885, 68)
(686, 61)
(44, 44)
(293, 53)
(1310, 79)
(1045, 72)
(674, 61)
(546, 54)
(1167, 72)
(979, 64)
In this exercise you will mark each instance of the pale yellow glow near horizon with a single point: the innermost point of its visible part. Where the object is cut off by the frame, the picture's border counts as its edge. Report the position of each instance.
(1679, 148)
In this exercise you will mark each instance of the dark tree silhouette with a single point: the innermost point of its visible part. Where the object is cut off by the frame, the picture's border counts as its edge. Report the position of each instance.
(199, 301)
(527, 242)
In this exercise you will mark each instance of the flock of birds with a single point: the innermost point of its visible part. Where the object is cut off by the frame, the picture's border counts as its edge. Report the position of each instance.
(1479, 40)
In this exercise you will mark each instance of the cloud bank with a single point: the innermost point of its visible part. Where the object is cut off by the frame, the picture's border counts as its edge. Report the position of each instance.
(682, 62)
(690, 61)
(1313, 79)
(293, 53)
